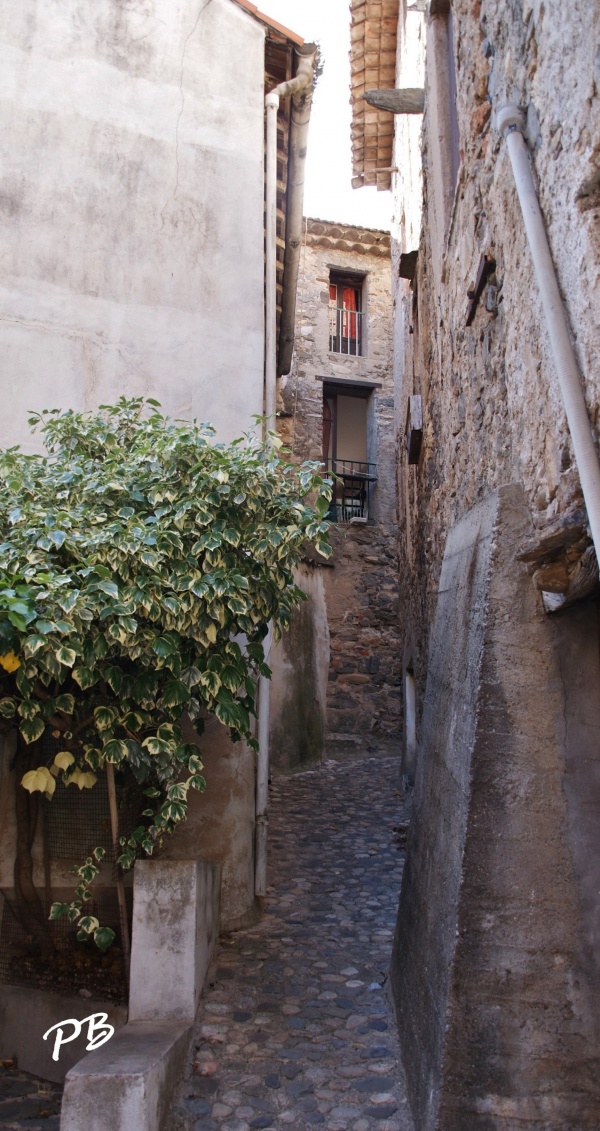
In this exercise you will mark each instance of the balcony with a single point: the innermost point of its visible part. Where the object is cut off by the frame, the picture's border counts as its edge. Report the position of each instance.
(345, 331)
(351, 490)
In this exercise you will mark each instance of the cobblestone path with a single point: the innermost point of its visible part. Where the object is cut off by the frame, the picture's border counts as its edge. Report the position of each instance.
(296, 1028)
(26, 1102)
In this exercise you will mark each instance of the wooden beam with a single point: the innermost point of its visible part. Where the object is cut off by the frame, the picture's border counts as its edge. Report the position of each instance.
(411, 100)
(487, 264)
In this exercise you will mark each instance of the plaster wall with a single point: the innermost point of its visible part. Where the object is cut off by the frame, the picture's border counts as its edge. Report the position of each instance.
(351, 428)
(131, 196)
(26, 1014)
(407, 175)
(220, 824)
(300, 666)
(496, 965)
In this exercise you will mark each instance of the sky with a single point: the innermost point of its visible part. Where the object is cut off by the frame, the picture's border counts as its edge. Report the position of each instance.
(328, 193)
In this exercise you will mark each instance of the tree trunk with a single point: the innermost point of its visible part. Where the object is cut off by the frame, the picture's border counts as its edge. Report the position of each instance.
(27, 905)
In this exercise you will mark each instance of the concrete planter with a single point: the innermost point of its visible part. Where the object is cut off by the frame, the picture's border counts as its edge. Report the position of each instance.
(128, 1082)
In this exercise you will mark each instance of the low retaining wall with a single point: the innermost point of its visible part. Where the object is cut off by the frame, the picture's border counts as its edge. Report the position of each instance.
(128, 1082)
(26, 1014)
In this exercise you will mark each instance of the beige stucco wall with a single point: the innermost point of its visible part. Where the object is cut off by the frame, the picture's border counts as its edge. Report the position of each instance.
(131, 197)
(300, 665)
(131, 194)
(407, 176)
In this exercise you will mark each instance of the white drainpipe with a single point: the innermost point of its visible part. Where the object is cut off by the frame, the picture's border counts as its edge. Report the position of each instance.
(262, 777)
(510, 123)
(302, 79)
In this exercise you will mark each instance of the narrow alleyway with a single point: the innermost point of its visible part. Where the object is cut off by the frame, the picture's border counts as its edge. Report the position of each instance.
(296, 1030)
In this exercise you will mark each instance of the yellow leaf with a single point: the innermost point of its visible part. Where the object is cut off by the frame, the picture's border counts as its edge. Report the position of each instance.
(40, 779)
(10, 662)
(29, 780)
(54, 770)
(74, 778)
(87, 780)
(63, 760)
(211, 633)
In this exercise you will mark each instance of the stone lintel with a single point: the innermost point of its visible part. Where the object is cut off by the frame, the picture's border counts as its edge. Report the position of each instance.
(410, 100)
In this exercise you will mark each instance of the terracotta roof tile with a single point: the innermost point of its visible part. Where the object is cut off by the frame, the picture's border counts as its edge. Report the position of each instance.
(373, 34)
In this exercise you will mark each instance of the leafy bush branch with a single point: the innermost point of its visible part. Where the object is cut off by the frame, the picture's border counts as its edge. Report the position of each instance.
(141, 563)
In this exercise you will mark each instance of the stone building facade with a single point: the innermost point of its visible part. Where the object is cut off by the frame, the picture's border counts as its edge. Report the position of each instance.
(338, 402)
(497, 960)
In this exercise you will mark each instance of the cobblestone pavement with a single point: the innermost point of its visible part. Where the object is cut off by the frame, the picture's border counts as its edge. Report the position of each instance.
(296, 1029)
(26, 1102)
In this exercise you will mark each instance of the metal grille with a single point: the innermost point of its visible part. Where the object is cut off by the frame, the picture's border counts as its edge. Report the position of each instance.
(352, 489)
(68, 967)
(79, 821)
(345, 331)
(73, 823)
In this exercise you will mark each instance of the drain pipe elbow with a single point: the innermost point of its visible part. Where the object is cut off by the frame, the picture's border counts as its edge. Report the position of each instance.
(510, 124)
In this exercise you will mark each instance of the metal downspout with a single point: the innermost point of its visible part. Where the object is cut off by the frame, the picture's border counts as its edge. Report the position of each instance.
(510, 124)
(300, 118)
(302, 82)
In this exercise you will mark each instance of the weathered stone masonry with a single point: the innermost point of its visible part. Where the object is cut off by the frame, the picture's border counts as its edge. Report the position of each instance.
(497, 961)
(492, 408)
(360, 581)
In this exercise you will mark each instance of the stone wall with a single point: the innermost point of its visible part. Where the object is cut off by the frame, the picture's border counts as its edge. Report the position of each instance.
(364, 690)
(492, 407)
(515, 995)
(361, 580)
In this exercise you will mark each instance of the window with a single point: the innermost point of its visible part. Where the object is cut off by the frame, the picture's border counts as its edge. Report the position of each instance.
(345, 314)
(345, 416)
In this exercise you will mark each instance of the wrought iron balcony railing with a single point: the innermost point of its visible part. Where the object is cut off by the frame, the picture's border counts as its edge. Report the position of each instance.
(345, 331)
(351, 489)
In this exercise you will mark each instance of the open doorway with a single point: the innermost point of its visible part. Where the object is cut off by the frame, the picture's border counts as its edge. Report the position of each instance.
(345, 451)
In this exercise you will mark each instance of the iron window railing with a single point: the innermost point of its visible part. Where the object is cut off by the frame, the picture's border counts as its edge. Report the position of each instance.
(351, 489)
(345, 331)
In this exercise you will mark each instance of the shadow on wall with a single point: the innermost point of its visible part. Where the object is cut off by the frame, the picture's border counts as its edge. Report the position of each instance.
(300, 665)
(496, 963)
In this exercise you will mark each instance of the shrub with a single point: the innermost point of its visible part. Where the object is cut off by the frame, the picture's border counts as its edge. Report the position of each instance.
(140, 565)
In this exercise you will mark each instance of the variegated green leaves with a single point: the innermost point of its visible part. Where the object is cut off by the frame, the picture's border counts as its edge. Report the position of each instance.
(133, 558)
